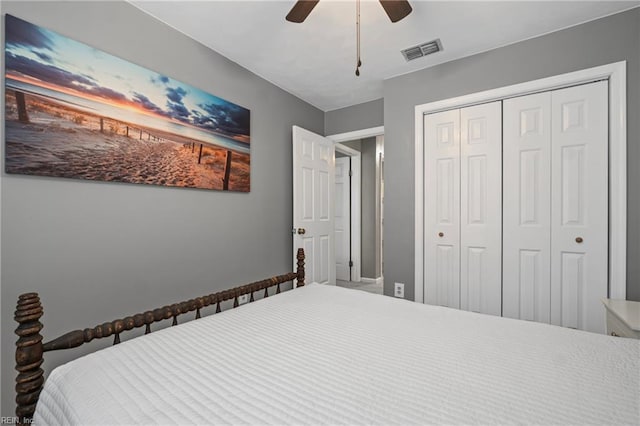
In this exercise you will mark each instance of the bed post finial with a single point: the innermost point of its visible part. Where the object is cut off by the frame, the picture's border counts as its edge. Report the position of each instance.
(28, 356)
(300, 271)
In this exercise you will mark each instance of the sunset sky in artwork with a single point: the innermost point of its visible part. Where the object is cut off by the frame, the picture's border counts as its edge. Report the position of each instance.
(44, 58)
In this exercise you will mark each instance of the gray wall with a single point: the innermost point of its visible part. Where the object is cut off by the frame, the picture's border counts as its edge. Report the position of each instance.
(357, 117)
(368, 202)
(379, 217)
(611, 39)
(96, 251)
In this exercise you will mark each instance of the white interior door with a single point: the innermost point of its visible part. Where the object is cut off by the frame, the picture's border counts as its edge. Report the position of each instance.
(313, 210)
(527, 213)
(442, 208)
(579, 206)
(481, 208)
(342, 219)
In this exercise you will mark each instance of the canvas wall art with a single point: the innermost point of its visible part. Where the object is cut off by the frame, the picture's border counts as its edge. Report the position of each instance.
(77, 112)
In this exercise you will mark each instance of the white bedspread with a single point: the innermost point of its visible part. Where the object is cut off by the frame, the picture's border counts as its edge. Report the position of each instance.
(328, 355)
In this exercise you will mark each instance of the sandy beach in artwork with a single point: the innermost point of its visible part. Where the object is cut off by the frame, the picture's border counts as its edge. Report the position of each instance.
(62, 141)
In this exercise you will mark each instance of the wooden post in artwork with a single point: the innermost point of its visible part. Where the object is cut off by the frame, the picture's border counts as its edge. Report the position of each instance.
(127, 131)
(140, 134)
(200, 155)
(300, 271)
(101, 125)
(21, 103)
(28, 356)
(227, 172)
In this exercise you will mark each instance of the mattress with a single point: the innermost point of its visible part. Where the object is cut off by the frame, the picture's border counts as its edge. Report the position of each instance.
(328, 355)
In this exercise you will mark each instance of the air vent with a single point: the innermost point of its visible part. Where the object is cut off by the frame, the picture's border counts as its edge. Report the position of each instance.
(422, 50)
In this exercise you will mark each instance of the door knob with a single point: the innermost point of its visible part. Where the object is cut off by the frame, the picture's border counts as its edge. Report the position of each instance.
(579, 240)
(440, 234)
(301, 231)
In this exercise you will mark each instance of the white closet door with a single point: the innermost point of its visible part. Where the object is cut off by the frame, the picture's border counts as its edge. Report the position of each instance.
(481, 208)
(527, 208)
(579, 212)
(442, 208)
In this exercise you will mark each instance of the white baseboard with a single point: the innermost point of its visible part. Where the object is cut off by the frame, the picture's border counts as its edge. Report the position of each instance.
(378, 280)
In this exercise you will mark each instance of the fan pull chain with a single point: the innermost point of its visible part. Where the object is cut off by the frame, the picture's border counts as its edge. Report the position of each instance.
(358, 61)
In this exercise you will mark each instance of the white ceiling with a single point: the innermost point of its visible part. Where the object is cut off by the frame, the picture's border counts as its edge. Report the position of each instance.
(315, 60)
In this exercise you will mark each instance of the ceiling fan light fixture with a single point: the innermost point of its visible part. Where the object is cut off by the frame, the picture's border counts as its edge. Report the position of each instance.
(395, 10)
(358, 61)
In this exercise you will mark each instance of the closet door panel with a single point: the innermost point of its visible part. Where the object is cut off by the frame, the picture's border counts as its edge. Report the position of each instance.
(526, 286)
(442, 209)
(481, 208)
(579, 215)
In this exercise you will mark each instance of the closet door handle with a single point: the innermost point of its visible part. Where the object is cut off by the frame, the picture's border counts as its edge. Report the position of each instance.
(440, 234)
(579, 240)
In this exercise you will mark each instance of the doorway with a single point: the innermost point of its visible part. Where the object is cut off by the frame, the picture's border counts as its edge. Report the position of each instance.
(345, 221)
(359, 183)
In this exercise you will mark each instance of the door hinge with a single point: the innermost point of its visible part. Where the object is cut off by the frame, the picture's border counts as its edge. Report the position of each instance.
(350, 173)
(351, 264)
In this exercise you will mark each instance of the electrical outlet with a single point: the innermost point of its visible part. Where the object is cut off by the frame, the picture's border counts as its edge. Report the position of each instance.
(399, 290)
(243, 299)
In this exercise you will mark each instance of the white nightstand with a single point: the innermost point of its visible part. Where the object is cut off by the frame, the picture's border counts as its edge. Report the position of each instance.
(623, 318)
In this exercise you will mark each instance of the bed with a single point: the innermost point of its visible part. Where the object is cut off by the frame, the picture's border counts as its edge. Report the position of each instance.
(328, 355)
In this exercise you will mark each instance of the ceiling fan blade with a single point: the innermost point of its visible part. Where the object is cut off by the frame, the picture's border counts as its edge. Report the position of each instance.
(301, 10)
(396, 9)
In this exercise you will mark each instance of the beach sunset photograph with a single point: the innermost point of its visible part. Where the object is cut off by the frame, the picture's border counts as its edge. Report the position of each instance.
(77, 112)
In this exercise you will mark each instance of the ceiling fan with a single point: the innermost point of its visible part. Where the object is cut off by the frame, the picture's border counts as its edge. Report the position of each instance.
(395, 9)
